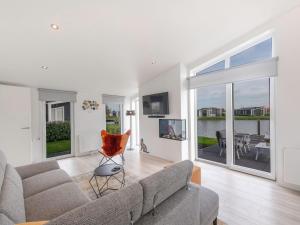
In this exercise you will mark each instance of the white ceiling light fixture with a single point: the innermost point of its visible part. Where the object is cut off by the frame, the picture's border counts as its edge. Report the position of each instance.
(54, 26)
(44, 67)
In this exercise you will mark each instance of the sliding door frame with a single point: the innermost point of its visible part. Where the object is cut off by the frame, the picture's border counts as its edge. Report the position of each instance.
(230, 134)
(272, 174)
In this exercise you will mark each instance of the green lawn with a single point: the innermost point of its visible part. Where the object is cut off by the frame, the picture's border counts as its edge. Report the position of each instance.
(56, 147)
(113, 128)
(206, 141)
(211, 118)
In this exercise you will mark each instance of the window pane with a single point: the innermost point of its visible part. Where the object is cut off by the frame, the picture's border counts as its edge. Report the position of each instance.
(59, 114)
(252, 124)
(113, 118)
(211, 123)
(216, 67)
(258, 52)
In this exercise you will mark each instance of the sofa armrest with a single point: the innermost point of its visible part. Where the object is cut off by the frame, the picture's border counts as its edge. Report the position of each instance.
(36, 168)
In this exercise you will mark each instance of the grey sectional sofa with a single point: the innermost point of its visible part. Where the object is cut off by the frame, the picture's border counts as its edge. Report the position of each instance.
(43, 191)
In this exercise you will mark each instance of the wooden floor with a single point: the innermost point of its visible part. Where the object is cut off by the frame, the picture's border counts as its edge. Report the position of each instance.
(244, 199)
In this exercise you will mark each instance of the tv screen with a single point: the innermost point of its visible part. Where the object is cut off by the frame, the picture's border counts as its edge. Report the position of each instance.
(156, 104)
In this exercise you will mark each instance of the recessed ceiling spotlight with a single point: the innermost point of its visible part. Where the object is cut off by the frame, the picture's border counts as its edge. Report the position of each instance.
(44, 67)
(54, 26)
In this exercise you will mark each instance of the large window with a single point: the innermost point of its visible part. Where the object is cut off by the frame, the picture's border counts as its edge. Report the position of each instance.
(216, 67)
(260, 51)
(233, 114)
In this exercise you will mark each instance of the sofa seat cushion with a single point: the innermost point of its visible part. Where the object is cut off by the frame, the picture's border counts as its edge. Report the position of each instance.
(180, 208)
(44, 181)
(163, 184)
(209, 203)
(54, 202)
(4, 220)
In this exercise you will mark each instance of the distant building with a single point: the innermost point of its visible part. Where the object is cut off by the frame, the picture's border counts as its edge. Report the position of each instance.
(252, 111)
(211, 112)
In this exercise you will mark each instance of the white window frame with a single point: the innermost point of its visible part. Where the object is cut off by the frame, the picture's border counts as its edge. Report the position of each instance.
(229, 110)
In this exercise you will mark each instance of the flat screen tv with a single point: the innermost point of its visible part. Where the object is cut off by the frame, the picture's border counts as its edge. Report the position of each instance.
(156, 104)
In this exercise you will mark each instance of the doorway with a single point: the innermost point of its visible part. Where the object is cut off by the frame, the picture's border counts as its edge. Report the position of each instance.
(234, 125)
(58, 129)
(114, 118)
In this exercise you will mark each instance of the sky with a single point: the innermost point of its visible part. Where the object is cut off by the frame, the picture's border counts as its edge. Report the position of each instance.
(246, 94)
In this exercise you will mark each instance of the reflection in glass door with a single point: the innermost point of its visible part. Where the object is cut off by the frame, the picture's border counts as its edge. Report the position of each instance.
(211, 123)
(251, 100)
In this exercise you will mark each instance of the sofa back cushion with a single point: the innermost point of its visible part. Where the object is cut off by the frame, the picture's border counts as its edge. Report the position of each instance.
(161, 185)
(118, 208)
(11, 197)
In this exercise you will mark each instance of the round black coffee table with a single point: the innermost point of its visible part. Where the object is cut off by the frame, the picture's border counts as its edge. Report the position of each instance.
(108, 171)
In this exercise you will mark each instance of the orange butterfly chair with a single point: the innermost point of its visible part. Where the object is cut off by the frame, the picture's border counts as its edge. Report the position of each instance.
(113, 145)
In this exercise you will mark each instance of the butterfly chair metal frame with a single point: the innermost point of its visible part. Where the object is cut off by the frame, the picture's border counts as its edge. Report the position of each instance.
(107, 158)
(110, 159)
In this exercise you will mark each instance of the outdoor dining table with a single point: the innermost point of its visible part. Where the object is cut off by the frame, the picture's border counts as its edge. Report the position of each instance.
(261, 146)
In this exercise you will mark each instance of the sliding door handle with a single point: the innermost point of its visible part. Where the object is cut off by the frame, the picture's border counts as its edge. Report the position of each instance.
(25, 128)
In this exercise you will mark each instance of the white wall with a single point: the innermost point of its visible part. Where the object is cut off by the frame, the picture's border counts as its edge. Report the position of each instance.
(170, 81)
(287, 45)
(88, 124)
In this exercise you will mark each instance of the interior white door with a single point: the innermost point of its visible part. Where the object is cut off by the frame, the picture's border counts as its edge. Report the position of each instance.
(15, 124)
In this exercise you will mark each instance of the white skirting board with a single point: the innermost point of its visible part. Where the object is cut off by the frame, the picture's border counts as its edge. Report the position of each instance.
(291, 166)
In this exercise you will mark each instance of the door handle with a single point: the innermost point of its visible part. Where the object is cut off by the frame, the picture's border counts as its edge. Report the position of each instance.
(25, 128)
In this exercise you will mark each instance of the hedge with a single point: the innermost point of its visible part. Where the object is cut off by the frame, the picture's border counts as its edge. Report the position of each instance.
(57, 131)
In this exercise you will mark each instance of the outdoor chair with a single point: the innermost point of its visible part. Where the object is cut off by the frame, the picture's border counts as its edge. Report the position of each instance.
(113, 145)
(221, 137)
(253, 140)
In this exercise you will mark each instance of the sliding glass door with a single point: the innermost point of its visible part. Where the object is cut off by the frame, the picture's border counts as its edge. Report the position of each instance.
(211, 123)
(234, 127)
(251, 125)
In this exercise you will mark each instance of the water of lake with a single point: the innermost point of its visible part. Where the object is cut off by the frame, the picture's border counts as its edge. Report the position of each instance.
(208, 128)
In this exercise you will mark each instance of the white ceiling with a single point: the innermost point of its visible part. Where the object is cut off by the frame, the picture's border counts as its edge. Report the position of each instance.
(109, 45)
